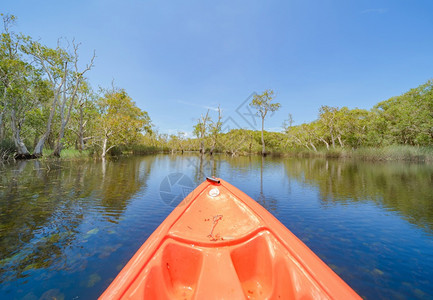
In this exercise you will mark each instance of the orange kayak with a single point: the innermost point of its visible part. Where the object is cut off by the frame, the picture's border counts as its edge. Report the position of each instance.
(218, 243)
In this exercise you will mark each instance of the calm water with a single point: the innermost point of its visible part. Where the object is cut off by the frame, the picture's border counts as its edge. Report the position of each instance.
(67, 228)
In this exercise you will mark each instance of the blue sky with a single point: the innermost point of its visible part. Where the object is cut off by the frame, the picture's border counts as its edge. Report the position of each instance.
(177, 58)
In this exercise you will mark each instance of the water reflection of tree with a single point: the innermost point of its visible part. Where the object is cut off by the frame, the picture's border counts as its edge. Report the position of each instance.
(205, 166)
(120, 181)
(43, 204)
(267, 201)
(403, 187)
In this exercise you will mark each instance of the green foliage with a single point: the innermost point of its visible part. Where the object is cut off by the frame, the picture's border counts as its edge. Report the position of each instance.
(120, 121)
(398, 128)
(145, 149)
(401, 120)
(75, 154)
(408, 119)
(46, 101)
(395, 152)
(7, 149)
(262, 103)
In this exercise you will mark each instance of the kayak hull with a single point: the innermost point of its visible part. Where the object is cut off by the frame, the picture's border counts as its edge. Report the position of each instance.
(218, 243)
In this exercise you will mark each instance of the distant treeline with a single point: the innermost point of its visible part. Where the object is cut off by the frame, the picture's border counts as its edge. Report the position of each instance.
(404, 121)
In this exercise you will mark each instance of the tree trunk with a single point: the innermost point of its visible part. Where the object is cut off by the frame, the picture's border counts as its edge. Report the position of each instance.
(3, 114)
(326, 143)
(202, 147)
(314, 147)
(340, 141)
(211, 149)
(81, 130)
(22, 152)
(104, 147)
(40, 145)
(59, 145)
(333, 140)
(263, 140)
(64, 120)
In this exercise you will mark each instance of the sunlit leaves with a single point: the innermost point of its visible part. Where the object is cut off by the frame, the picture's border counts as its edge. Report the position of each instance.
(120, 121)
(262, 104)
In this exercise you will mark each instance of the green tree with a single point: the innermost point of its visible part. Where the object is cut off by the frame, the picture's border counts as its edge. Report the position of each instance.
(60, 66)
(54, 63)
(201, 130)
(327, 117)
(83, 115)
(215, 128)
(262, 103)
(120, 121)
(22, 88)
(70, 89)
(408, 119)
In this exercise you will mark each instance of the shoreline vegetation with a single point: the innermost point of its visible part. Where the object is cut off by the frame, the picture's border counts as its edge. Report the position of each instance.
(388, 153)
(48, 109)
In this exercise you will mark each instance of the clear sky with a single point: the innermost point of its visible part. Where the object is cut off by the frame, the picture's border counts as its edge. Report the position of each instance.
(176, 58)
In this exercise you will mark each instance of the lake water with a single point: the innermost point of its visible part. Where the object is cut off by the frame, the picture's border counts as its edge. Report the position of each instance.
(67, 228)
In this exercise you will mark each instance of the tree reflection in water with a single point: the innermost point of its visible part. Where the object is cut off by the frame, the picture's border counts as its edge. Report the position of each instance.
(45, 203)
(406, 188)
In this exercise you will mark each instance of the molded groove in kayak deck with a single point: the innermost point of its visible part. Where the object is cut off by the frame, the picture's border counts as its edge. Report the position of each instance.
(169, 275)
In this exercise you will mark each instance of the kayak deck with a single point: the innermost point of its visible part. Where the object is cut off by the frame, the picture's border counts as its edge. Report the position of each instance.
(220, 244)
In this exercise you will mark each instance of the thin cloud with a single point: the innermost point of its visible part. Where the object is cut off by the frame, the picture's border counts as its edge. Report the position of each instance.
(374, 11)
(197, 105)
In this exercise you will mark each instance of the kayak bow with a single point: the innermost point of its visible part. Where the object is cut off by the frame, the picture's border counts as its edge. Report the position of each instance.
(218, 243)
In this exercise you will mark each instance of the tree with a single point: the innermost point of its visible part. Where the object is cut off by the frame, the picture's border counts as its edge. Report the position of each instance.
(262, 103)
(8, 55)
(54, 63)
(83, 115)
(304, 135)
(235, 141)
(327, 116)
(70, 89)
(408, 119)
(215, 130)
(200, 130)
(181, 138)
(120, 121)
(64, 82)
(12, 71)
(22, 86)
